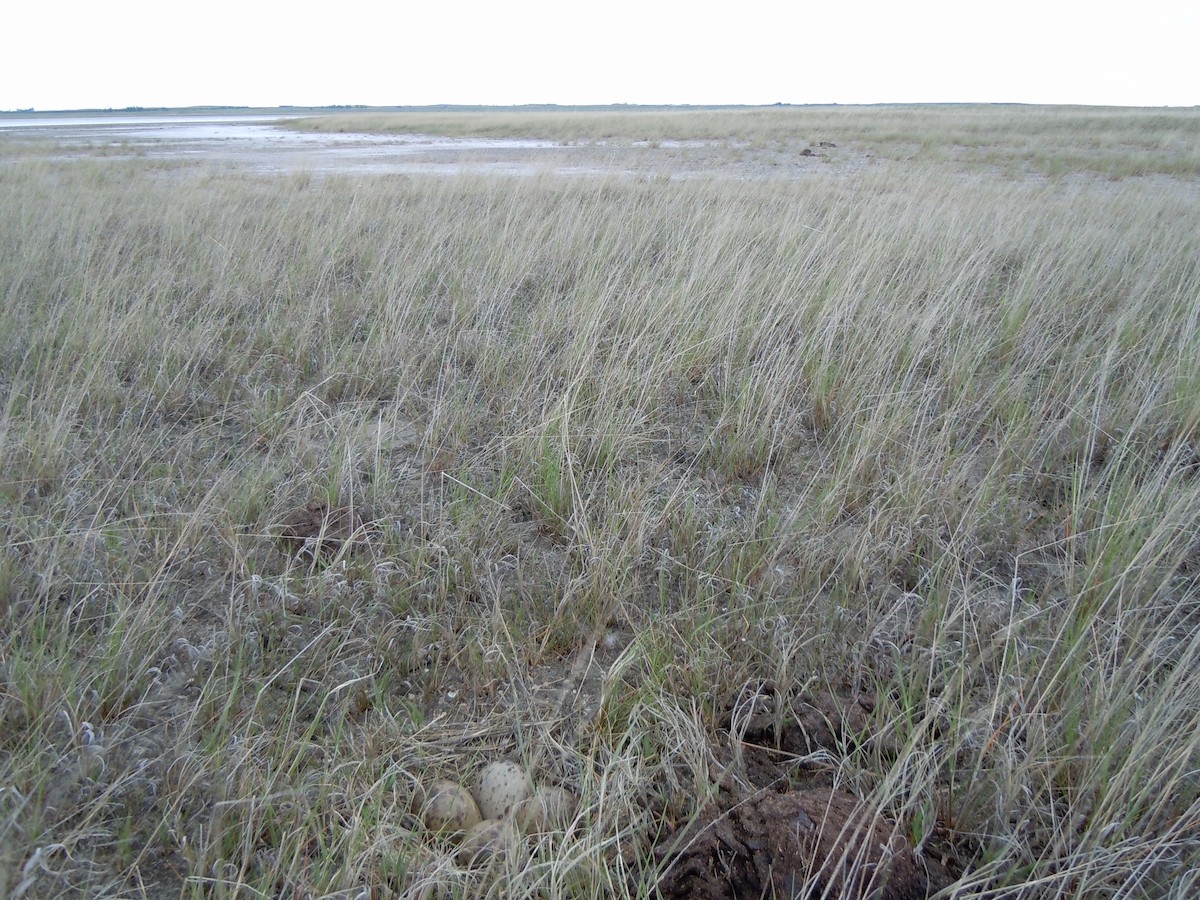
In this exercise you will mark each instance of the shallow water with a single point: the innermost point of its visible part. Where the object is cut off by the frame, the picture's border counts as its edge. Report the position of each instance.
(261, 143)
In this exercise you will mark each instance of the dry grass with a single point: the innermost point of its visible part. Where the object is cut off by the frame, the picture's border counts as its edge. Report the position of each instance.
(627, 448)
(1053, 141)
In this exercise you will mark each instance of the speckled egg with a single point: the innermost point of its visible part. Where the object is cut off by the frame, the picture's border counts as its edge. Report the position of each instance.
(549, 809)
(501, 786)
(450, 809)
(486, 841)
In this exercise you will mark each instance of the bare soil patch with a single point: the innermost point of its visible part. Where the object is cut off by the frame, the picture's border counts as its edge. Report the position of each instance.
(803, 843)
(319, 533)
(782, 833)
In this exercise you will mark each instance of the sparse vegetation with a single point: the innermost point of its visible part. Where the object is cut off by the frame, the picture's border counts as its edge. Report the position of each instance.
(1052, 141)
(633, 470)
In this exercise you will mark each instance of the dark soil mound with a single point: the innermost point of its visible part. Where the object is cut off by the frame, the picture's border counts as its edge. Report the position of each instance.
(799, 844)
(320, 533)
(776, 729)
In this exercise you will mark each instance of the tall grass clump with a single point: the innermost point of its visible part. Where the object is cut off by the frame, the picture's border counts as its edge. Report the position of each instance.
(617, 450)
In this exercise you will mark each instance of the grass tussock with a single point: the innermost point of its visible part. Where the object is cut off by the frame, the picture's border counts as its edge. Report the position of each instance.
(624, 451)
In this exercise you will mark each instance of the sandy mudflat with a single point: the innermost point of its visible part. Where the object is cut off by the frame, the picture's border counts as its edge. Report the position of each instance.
(264, 145)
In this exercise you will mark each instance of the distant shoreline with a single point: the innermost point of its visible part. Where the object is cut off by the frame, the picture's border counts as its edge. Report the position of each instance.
(527, 107)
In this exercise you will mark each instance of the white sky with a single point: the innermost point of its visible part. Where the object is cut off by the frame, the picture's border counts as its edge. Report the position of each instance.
(67, 54)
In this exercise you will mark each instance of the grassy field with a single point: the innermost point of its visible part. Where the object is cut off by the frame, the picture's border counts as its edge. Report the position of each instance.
(609, 463)
(1051, 141)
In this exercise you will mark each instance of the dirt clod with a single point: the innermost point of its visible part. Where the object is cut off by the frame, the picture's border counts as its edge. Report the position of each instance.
(775, 728)
(320, 533)
(800, 844)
